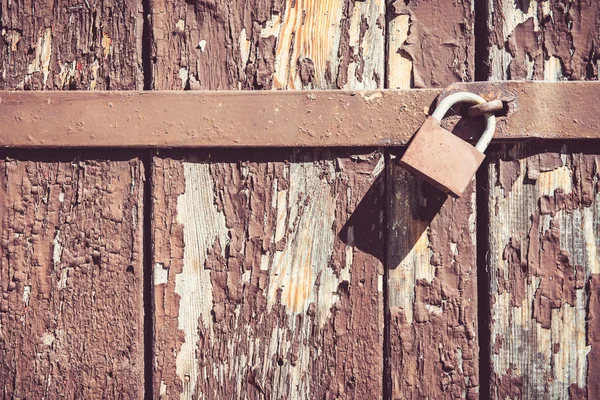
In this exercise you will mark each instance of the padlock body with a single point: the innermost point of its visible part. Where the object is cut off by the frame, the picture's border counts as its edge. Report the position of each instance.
(441, 158)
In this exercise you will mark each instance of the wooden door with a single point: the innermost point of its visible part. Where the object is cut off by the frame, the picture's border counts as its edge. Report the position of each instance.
(295, 273)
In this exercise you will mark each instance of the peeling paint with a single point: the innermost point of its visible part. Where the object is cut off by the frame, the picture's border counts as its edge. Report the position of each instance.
(540, 308)
(106, 44)
(283, 283)
(432, 275)
(551, 40)
(203, 224)
(43, 51)
(316, 238)
(56, 238)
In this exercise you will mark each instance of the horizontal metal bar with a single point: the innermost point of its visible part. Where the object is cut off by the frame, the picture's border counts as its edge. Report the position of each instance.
(552, 110)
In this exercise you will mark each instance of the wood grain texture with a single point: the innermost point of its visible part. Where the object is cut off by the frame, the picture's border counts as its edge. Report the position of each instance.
(431, 252)
(64, 44)
(267, 276)
(431, 256)
(430, 43)
(542, 256)
(549, 39)
(265, 289)
(71, 312)
(543, 266)
(293, 44)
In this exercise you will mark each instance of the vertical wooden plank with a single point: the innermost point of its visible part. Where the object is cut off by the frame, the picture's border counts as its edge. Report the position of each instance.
(432, 290)
(267, 278)
(544, 271)
(430, 43)
(282, 44)
(550, 39)
(542, 255)
(71, 279)
(431, 254)
(71, 272)
(71, 45)
(265, 286)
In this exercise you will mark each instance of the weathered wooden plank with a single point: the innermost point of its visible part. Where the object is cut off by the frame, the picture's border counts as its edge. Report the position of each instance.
(71, 312)
(543, 266)
(542, 254)
(431, 253)
(71, 320)
(283, 44)
(550, 39)
(71, 45)
(264, 290)
(430, 43)
(266, 275)
(432, 290)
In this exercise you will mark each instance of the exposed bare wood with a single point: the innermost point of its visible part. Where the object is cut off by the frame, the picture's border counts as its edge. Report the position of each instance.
(543, 232)
(71, 273)
(265, 291)
(267, 277)
(284, 44)
(430, 43)
(70, 45)
(431, 253)
(432, 290)
(284, 119)
(544, 265)
(549, 39)
(71, 317)
(400, 65)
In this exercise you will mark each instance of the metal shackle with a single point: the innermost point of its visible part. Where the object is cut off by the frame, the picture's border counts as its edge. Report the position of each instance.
(467, 97)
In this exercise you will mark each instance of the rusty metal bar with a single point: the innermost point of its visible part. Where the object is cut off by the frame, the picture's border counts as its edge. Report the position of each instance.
(551, 110)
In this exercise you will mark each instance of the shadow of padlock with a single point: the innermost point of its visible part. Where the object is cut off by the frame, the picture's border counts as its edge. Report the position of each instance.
(443, 159)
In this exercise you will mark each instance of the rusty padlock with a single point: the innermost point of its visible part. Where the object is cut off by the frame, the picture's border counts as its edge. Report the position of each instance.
(441, 158)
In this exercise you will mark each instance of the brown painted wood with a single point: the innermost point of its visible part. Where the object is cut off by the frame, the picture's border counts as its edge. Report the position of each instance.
(85, 45)
(430, 43)
(543, 213)
(547, 40)
(71, 277)
(286, 119)
(71, 271)
(267, 274)
(257, 44)
(543, 263)
(431, 252)
(432, 290)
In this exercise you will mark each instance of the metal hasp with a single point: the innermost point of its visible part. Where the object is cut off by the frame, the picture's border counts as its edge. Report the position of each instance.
(440, 157)
(199, 119)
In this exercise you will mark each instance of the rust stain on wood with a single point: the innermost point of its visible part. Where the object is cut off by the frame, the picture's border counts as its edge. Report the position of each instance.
(71, 317)
(271, 285)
